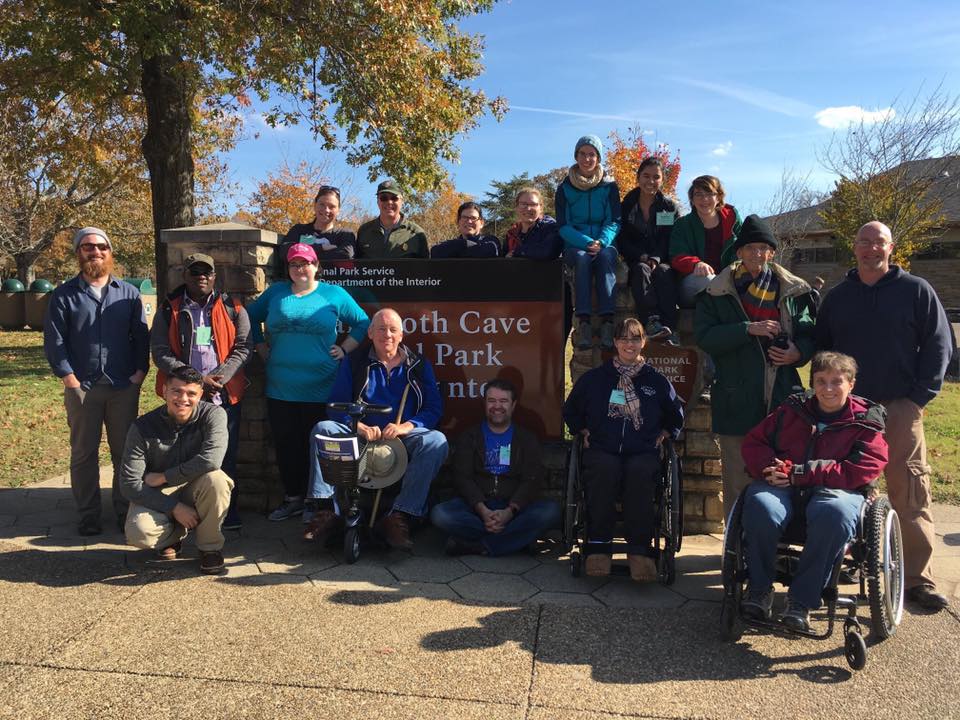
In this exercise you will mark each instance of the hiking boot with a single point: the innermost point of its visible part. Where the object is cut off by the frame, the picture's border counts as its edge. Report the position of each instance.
(171, 552)
(395, 530)
(455, 546)
(606, 335)
(89, 526)
(584, 335)
(211, 562)
(927, 597)
(642, 568)
(290, 507)
(796, 616)
(758, 604)
(656, 330)
(321, 525)
(598, 565)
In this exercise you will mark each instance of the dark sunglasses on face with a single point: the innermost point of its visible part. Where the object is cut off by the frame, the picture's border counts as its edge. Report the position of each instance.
(387, 198)
(90, 247)
(325, 189)
(197, 272)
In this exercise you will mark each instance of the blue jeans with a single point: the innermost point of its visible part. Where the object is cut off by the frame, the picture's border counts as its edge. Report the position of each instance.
(457, 518)
(832, 517)
(586, 268)
(426, 450)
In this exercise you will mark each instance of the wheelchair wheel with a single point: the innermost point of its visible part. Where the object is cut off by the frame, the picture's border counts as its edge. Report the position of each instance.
(855, 650)
(674, 505)
(351, 545)
(884, 567)
(733, 575)
(571, 496)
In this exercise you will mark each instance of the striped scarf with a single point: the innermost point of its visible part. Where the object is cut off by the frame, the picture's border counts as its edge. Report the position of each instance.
(630, 410)
(758, 295)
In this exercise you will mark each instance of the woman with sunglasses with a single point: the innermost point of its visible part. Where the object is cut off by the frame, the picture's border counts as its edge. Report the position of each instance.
(327, 240)
(294, 325)
(623, 410)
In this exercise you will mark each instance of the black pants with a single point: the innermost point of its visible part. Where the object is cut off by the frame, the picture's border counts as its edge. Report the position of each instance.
(654, 293)
(633, 480)
(290, 426)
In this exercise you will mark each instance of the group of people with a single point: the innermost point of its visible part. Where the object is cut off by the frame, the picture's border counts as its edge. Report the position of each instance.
(880, 328)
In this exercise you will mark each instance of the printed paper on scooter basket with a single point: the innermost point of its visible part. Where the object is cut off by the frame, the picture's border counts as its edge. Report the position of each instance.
(338, 448)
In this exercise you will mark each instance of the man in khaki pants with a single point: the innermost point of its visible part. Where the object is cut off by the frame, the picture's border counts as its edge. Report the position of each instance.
(894, 326)
(171, 473)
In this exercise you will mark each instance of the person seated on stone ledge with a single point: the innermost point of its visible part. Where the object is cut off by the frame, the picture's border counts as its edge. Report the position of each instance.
(471, 243)
(391, 236)
(171, 473)
(322, 234)
(385, 373)
(498, 472)
(624, 410)
(534, 236)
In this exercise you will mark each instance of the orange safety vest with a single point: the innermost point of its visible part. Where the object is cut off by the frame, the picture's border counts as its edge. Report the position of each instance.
(224, 334)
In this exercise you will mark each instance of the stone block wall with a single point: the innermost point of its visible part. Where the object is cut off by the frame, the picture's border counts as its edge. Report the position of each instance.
(698, 448)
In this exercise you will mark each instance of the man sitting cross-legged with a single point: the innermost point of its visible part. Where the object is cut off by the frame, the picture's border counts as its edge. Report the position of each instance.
(171, 473)
(498, 472)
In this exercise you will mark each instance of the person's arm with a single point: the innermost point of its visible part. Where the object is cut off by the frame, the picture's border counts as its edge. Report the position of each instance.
(683, 251)
(353, 315)
(608, 231)
(212, 449)
(628, 240)
(432, 408)
(823, 337)
(672, 409)
(463, 469)
(257, 313)
(453, 248)
(531, 469)
(728, 254)
(570, 235)
(133, 468)
(56, 329)
(241, 350)
(163, 356)
(487, 247)
(419, 245)
(139, 337)
(935, 348)
(574, 410)
(804, 327)
(862, 465)
(714, 336)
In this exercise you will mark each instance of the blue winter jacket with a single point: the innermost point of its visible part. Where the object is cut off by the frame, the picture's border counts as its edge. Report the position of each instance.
(589, 403)
(587, 215)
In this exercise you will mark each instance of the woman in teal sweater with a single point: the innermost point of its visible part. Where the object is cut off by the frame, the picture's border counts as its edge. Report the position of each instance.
(588, 216)
(302, 355)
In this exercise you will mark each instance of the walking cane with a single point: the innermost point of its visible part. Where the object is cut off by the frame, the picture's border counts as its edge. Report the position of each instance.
(376, 499)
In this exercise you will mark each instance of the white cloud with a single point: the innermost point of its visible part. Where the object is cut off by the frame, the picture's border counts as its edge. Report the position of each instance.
(840, 117)
(723, 149)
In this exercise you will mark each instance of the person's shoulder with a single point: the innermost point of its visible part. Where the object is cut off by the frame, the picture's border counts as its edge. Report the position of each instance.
(666, 202)
(547, 220)
(411, 226)
(368, 225)
(68, 287)
(147, 423)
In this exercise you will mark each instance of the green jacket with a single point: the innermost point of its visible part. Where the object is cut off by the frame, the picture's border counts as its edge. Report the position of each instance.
(745, 386)
(406, 240)
(689, 238)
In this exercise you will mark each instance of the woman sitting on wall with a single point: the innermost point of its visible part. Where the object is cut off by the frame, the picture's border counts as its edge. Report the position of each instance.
(471, 243)
(624, 409)
(534, 235)
(328, 241)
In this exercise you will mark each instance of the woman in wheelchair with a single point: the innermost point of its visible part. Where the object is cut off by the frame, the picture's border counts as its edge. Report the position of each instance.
(624, 409)
(818, 453)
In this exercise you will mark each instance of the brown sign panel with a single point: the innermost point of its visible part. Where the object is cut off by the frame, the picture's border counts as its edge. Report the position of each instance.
(678, 364)
(475, 320)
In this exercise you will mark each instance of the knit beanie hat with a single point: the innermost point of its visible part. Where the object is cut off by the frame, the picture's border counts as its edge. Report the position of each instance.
(594, 142)
(83, 232)
(755, 230)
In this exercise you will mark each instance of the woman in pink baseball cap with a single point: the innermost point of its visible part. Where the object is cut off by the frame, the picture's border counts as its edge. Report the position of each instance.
(294, 324)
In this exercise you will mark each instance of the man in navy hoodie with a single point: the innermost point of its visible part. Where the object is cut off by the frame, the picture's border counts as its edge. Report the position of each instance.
(893, 324)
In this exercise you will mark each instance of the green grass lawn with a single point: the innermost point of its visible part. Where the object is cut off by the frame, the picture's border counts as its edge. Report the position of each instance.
(34, 441)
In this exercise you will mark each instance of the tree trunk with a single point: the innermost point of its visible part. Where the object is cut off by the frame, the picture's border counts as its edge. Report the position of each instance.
(25, 262)
(168, 150)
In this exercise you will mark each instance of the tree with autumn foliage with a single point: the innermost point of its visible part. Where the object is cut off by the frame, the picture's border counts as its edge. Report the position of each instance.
(625, 155)
(389, 83)
(436, 211)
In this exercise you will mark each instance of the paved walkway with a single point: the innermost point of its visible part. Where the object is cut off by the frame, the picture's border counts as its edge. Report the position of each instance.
(95, 629)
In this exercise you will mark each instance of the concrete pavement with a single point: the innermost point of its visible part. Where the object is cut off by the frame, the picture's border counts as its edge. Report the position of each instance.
(90, 628)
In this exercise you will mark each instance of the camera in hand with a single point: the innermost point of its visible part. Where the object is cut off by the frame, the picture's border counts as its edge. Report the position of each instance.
(780, 341)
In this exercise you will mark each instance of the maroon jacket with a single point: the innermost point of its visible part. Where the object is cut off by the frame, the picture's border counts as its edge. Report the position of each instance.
(847, 454)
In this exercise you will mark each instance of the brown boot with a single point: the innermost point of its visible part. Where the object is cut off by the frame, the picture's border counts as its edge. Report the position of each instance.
(323, 523)
(642, 568)
(395, 530)
(598, 565)
(211, 562)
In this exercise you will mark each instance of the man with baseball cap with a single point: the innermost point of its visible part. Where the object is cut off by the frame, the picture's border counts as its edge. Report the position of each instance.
(96, 340)
(391, 236)
(210, 332)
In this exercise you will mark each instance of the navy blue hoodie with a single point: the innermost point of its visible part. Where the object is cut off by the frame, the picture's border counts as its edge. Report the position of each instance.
(896, 330)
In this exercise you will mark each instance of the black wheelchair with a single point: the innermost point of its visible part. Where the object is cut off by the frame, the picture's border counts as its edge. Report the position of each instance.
(874, 556)
(668, 504)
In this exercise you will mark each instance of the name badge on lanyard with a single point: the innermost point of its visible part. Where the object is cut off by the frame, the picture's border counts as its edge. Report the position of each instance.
(504, 455)
(617, 397)
(202, 335)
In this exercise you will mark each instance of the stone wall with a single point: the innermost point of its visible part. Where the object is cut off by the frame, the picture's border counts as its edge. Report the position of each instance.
(698, 448)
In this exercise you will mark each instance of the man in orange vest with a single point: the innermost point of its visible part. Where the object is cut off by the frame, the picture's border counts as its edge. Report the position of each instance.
(209, 331)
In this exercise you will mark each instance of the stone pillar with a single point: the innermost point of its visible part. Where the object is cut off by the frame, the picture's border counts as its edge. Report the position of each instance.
(698, 448)
(244, 258)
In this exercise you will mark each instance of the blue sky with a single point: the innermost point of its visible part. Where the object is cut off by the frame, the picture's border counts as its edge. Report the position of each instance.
(735, 87)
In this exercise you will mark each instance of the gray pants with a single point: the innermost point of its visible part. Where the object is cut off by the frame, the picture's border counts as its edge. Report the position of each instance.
(734, 475)
(209, 494)
(87, 412)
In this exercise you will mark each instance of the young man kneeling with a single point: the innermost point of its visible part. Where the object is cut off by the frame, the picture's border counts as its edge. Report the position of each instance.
(171, 473)
(822, 451)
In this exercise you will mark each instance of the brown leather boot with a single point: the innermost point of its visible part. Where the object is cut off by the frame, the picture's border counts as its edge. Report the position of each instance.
(323, 523)
(395, 530)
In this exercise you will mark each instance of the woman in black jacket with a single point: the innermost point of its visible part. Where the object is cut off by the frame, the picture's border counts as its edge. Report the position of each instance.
(644, 241)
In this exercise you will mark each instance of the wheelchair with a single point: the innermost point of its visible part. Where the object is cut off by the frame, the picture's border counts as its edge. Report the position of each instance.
(668, 506)
(875, 553)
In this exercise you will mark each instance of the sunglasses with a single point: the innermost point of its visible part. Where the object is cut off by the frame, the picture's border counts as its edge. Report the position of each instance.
(385, 197)
(90, 247)
(194, 272)
(325, 189)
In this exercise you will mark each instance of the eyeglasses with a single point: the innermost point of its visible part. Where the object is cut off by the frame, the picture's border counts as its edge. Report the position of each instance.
(325, 189)
(299, 265)
(528, 205)
(631, 339)
(90, 247)
(195, 272)
(470, 218)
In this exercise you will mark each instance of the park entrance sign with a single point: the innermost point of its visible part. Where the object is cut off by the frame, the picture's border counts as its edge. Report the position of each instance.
(474, 320)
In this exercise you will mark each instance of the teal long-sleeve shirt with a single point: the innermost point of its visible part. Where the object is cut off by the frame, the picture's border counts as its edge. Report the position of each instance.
(300, 331)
